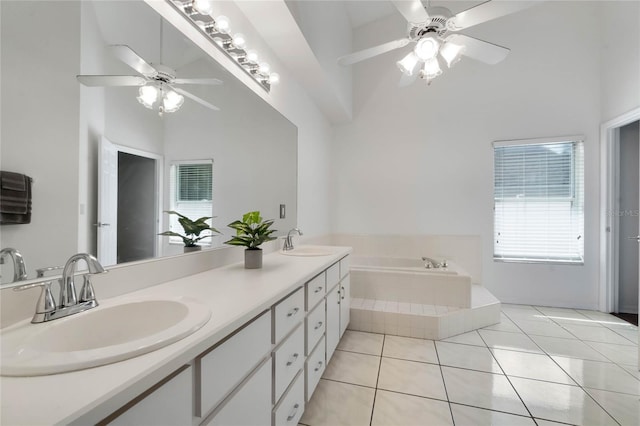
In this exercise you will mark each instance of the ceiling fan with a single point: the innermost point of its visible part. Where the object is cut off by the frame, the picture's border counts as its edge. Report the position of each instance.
(157, 82)
(432, 30)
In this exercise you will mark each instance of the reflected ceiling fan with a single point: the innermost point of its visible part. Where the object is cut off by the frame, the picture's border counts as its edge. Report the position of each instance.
(157, 82)
(432, 30)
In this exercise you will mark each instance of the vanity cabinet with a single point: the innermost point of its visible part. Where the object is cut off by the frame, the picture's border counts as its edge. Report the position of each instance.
(261, 374)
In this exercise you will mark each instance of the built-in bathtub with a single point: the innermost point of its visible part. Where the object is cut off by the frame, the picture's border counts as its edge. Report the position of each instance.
(402, 264)
(400, 296)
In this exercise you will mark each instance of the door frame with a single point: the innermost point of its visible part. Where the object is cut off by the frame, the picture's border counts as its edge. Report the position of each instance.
(159, 181)
(609, 223)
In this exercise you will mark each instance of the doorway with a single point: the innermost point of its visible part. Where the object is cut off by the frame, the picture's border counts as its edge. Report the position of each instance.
(620, 218)
(129, 200)
(628, 190)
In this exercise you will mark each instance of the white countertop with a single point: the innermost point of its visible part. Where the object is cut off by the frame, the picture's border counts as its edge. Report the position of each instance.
(234, 294)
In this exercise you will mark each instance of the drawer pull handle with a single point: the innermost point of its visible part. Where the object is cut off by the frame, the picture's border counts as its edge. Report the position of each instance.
(293, 312)
(342, 293)
(318, 325)
(292, 359)
(318, 290)
(293, 413)
(318, 367)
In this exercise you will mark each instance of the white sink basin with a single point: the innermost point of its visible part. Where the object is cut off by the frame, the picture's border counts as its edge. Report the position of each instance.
(307, 251)
(103, 335)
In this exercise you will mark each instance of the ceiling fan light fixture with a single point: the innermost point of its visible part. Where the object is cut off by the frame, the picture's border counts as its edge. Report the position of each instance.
(148, 95)
(431, 69)
(408, 64)
(203, 7)
(172, 101)
(451, 53)
(427, 48)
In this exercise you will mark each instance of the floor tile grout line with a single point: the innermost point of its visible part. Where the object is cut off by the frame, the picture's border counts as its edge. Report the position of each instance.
(375, 392)
(554, 361)
(444, 384)
(491, 409)
(507, 377)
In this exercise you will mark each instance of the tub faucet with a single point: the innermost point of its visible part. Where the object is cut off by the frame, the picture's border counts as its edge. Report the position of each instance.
(430, 263)
(288, 242)
(19, 268)
(69, 303)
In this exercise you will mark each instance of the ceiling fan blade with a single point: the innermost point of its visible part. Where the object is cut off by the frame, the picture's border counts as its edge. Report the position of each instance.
(412, 10)
(131, 58)
(111, 80)
(480, 50)
(372, 51)
(212, 81)
(196, 99)
(487, 11)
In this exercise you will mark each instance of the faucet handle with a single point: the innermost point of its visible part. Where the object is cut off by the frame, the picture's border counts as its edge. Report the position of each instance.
(45, 301)
(86, 293)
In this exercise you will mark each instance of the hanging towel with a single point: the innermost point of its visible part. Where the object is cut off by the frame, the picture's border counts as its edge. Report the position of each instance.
(15, 198)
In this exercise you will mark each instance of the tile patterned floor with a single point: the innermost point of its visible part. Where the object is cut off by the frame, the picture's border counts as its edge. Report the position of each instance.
(539, 366)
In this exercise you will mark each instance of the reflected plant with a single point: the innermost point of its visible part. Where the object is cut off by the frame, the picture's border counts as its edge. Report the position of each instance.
(192, 229)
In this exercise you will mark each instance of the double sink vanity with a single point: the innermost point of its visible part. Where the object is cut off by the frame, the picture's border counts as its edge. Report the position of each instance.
(228, 346)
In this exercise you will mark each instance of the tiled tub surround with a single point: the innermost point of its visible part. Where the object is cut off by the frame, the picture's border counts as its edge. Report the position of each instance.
(235, 296)
(415, 302)
(544, 366)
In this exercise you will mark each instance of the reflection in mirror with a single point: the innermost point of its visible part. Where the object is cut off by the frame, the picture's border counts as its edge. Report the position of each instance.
(100, 160)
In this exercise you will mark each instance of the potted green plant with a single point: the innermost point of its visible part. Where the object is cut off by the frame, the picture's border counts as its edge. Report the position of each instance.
(251, 232)
(192, 231)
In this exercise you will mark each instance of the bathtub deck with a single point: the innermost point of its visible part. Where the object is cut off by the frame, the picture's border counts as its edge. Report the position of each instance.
(425, 321)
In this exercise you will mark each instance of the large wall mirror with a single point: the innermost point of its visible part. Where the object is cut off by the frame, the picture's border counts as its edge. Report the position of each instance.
(103, 166)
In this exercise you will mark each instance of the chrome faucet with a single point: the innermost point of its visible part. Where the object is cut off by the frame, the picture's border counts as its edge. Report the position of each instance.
(431, 263)
(288, 242)
(19, 268)
(68, 304)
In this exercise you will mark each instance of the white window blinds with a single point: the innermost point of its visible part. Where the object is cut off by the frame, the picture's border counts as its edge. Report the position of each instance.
(191, 194)
(539, 201)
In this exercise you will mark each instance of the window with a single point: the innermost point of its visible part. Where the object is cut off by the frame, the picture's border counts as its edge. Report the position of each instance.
(539, 201)
(190, 194)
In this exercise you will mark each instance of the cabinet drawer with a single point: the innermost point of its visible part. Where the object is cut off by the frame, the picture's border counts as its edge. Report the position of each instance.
(290, 409)
(250, 405)
(344, 267)
(170, 404)
(333, 275)
(315, 290)
(288, 359)
(225, 367)
(313, 369)
(315, 326)
(287, 314)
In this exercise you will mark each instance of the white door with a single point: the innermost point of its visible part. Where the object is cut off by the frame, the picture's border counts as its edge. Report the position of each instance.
(107, 203)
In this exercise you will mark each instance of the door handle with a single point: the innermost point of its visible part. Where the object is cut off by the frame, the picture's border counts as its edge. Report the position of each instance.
(634, 238)
(100, 224)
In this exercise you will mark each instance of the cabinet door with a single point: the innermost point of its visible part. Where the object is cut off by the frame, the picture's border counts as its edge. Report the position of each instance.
(250, 405)
(333, 320)
(170, 404)
(345, 303)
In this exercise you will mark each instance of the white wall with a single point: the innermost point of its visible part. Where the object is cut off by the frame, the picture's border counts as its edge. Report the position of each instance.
(620, 65)
(40, 121)
(419, 160)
